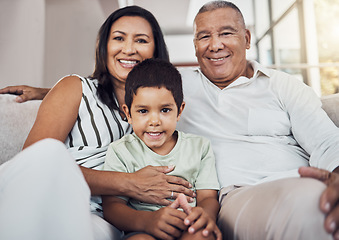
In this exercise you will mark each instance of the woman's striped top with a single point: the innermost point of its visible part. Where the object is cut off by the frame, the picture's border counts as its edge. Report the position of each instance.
(96, 127)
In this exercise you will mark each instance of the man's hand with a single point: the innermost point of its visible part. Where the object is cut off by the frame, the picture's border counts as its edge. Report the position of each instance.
(25, 93)
(330, 197)
(152, 185)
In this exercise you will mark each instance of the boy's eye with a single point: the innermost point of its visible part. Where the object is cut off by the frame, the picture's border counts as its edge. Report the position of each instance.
(142, 111)
(165, 110)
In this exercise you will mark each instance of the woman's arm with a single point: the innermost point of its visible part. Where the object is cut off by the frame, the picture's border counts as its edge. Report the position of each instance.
(150, 184)
(55, 119)
(25, 93)
(58, 111)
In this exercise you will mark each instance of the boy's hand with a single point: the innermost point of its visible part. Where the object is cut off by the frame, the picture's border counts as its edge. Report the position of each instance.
(181, 202)
(166, 223)
(198, 219)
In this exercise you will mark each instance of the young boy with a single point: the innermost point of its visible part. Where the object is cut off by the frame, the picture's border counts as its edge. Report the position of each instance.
(154, 103)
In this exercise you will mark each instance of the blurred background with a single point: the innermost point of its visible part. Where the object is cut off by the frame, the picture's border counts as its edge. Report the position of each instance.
(44, 40)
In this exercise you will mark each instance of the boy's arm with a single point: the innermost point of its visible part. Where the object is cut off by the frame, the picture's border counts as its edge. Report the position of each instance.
(164, 223)
(123, 217)
(204, 215)
(208, 200)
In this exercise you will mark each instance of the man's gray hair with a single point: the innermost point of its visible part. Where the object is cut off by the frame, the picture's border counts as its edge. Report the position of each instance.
(214, 5)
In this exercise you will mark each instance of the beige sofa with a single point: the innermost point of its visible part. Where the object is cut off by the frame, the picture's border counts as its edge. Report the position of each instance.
(16, 120)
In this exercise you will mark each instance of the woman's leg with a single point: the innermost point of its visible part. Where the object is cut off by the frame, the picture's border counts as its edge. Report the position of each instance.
(282, 209)
(43, 195)
(103, 230)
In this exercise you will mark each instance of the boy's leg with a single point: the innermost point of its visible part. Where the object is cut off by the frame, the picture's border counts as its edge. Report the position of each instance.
(137, 236)
(43, 195)
(282, 209)
(196, 236)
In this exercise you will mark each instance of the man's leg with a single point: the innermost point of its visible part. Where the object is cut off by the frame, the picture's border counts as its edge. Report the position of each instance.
(43, 195)
(282, 209)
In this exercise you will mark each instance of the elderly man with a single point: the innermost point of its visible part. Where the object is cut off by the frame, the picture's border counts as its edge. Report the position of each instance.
(263, 125)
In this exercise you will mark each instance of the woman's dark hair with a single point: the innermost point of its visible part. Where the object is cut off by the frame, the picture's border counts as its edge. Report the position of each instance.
(154, 73)
(105, 79)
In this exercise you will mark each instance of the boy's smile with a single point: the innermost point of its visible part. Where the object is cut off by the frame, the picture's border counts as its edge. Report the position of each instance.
(154, 116)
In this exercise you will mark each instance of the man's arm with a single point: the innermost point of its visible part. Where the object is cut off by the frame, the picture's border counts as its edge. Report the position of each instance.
(25, 93)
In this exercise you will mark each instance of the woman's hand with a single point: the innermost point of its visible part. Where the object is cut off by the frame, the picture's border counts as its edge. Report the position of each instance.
(152, 185)
(329, 200)
(25, 93)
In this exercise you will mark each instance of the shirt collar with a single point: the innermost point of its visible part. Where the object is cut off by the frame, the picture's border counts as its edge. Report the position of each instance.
(258, 70)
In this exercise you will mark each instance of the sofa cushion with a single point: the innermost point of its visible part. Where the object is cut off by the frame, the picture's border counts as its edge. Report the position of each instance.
(16, 120)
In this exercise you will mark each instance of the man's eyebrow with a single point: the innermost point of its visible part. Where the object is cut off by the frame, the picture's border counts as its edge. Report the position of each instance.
(230, 28)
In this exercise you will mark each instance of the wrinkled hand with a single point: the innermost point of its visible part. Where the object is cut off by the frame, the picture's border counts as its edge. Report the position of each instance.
(166, 223)
(25, 93)
(330, 197)
(152, 185)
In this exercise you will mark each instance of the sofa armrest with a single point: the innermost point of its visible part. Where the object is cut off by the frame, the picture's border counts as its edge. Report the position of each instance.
(16, 120)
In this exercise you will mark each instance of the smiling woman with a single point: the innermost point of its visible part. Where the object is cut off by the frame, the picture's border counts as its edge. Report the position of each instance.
(85, 113)
(131, 41)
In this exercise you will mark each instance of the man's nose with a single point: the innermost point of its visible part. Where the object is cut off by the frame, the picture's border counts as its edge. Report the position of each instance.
(215, 44)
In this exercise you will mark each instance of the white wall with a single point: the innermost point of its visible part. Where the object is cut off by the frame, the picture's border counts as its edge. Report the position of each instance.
(43, 40)
(71, 30)
(21, 41)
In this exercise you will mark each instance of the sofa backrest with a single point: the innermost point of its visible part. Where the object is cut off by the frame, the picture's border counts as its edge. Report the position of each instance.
(16, 120)
(331, 107)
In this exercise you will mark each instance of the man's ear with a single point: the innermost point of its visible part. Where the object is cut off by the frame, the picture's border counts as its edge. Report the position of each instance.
(180, 110)
(248, 38)
(127, 113)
